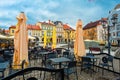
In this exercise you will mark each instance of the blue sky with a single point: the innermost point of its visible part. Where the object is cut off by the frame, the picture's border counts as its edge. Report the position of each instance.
(67, 11)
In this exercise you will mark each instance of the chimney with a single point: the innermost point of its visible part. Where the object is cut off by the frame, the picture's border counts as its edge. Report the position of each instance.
(49, 21)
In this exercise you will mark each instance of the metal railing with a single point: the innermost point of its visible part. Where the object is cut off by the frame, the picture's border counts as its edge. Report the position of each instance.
(38, 73)
(116, 62)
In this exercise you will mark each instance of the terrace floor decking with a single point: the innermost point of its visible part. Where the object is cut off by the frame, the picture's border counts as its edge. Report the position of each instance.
(84, 75)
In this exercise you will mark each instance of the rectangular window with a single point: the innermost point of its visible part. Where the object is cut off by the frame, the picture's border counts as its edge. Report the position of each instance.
(118, 34)
(118, 18)
(12, 31)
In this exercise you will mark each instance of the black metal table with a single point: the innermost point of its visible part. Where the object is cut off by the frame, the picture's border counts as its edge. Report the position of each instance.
(60, 60)
(3, 67)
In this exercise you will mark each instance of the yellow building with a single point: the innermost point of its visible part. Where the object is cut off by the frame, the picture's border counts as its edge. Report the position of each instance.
(33, 30)
(69, 33)
(12, 30)
(46, 26)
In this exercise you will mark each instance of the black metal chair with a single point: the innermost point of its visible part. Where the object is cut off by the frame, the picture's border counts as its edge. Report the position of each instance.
(21, 67)
(51, 55)
(107, 61)
(66, 54)
(86, 64)
(71, 69)
(3, 66)
(59, 51)
(95, 60)
(49, 65)
(89, 54)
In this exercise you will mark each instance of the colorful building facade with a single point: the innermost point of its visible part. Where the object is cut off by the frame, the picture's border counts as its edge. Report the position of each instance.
(59, 31)
(69, 33)
(33, 30)
(95, 31)
(46, 26)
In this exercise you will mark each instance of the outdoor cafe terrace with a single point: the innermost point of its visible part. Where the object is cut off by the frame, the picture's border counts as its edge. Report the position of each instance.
(62, 66)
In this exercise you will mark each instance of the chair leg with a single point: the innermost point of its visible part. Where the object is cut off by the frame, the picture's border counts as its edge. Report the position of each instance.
(68, 77)
(113, 68)
(44, 76)
(2, 74)
(103, 71)
(76, 76)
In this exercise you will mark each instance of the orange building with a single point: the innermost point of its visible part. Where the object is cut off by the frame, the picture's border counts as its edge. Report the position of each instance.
(95, 30)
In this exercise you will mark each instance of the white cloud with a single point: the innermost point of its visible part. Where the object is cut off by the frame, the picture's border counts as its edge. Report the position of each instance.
(68, 11)
(9, 2)
(51, 4)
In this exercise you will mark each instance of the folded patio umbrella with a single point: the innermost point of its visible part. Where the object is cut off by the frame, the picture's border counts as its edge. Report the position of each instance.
(79, 47)
(54, 38)
(20, 42)
(45, 38)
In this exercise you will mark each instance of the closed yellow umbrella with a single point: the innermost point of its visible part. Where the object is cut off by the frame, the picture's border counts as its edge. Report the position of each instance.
(79, 46)
(20, 42)
(45, 38)
(54, 38)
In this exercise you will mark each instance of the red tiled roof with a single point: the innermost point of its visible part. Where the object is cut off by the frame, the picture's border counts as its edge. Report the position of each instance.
(94, 24)
(12, 26)
(30, 27)
(33, 27)
(6, 31)
(66, 27)
(46, 23)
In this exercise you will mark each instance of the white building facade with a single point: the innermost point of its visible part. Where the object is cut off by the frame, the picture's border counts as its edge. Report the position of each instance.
(115, 29)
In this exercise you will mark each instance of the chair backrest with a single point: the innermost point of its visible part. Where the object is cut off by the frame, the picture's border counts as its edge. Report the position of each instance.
(2, 59)
(22, 64)
(6, 52)
(59, 51)
(72, 64)
(72, 57)
(66, 53)
(51, 55)
(89, 54)
(86, 60)
(110, 58)
(104, 59)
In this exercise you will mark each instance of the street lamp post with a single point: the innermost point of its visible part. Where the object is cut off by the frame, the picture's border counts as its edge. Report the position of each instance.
(68, 34)
(108, 39)
(104, 24)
